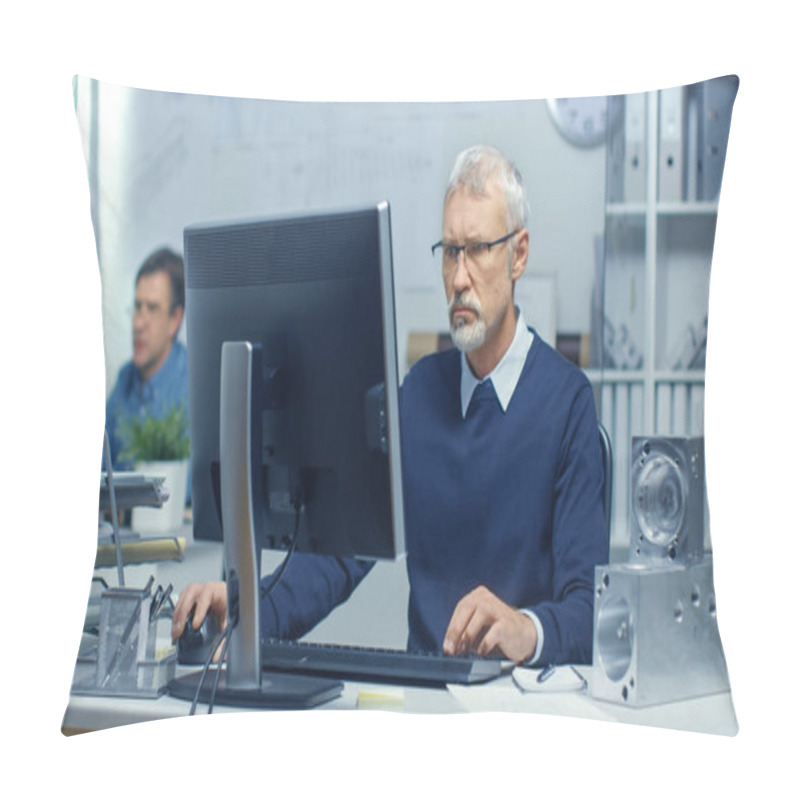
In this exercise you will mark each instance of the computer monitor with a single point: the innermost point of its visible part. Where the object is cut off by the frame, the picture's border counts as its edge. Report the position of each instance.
(315, 293)
(291, 333)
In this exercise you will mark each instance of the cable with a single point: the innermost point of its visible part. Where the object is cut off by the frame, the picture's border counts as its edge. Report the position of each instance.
(222, 657)
(224, 637)
(277, 576)
(226, 634)
(217, 641)
(112, 493)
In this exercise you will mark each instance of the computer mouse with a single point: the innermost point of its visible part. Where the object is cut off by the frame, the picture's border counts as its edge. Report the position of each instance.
(194, 646)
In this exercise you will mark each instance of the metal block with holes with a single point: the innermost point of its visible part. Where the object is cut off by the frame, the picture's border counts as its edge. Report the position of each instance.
(656, 637)
(667, 496)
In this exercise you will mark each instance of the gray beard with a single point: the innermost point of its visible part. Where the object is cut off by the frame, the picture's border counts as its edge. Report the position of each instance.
(469, 337)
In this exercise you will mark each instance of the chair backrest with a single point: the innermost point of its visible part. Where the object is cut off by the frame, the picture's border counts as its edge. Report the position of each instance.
(608, 475)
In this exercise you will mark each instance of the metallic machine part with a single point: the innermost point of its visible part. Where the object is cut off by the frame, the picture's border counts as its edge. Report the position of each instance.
(656, 637)
(667, 493)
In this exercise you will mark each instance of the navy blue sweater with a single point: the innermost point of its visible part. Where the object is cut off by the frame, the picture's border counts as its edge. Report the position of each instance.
(507, 500)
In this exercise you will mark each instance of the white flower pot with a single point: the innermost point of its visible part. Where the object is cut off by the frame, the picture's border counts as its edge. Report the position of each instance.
(169, 517)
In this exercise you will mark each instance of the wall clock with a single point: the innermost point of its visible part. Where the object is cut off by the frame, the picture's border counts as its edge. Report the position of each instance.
(582, 121)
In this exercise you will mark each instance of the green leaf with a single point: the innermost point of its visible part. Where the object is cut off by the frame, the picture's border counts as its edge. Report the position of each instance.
(164, 438)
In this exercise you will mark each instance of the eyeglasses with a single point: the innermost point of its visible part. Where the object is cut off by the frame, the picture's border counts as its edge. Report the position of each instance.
(476, 253)
(148, 309)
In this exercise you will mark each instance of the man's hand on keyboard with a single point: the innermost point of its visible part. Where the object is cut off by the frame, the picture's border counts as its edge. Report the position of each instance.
(198, 599)
(482, 623)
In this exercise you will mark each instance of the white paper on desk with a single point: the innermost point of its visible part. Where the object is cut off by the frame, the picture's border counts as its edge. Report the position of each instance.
(560, 679)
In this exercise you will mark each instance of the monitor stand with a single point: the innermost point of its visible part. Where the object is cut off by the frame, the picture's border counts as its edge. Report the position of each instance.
(275, 690)
(242, 681)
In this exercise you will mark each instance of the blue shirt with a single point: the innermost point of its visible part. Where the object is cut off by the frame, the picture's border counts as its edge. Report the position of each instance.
(133, 397)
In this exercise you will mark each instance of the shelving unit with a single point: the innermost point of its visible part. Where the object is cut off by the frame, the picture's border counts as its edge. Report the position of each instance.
(656, 276)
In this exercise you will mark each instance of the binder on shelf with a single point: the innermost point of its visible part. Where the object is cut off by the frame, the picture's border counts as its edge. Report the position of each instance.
(635, 148)
(671, 144)
(616, 149)
(692, 112)
(716, 109)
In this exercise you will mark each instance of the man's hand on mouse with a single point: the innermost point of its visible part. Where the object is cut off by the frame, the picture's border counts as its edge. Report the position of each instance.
(198, 599)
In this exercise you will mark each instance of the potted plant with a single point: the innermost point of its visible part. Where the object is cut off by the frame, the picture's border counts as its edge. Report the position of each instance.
(159, 446)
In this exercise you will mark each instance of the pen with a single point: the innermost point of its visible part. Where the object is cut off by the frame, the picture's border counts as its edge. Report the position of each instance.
(161, 597)
(584, 682)
(124, 642)
(546, 673)
(155, 603)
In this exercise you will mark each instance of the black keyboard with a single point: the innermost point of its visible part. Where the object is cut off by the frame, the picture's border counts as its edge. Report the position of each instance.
(376, 664)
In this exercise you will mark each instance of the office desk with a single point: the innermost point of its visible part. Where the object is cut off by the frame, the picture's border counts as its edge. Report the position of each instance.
(709, 714)
(88, 713)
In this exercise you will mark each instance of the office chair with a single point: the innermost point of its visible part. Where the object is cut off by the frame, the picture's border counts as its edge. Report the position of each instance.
(608, 475)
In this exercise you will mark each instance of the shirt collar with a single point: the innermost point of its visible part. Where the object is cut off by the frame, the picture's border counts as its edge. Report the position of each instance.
(505, 375)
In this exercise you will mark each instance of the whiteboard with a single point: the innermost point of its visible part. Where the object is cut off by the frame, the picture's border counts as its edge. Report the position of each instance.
(167, 160)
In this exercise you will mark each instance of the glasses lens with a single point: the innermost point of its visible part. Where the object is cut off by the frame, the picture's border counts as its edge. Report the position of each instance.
(450, 256)
(478, 254)
(475, 254)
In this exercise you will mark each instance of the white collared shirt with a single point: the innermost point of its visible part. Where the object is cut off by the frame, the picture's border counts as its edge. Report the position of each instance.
(505, 375)
(504, 378)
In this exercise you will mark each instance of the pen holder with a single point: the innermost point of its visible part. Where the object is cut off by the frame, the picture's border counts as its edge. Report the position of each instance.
(129, 658)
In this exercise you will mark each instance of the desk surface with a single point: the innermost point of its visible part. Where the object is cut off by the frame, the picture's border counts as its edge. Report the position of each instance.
(90, 712)
(709, 714)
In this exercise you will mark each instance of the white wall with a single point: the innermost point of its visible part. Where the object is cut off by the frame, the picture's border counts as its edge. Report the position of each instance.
(167, 160)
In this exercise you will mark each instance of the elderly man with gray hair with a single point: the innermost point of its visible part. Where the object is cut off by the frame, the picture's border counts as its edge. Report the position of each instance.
(502, 468)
